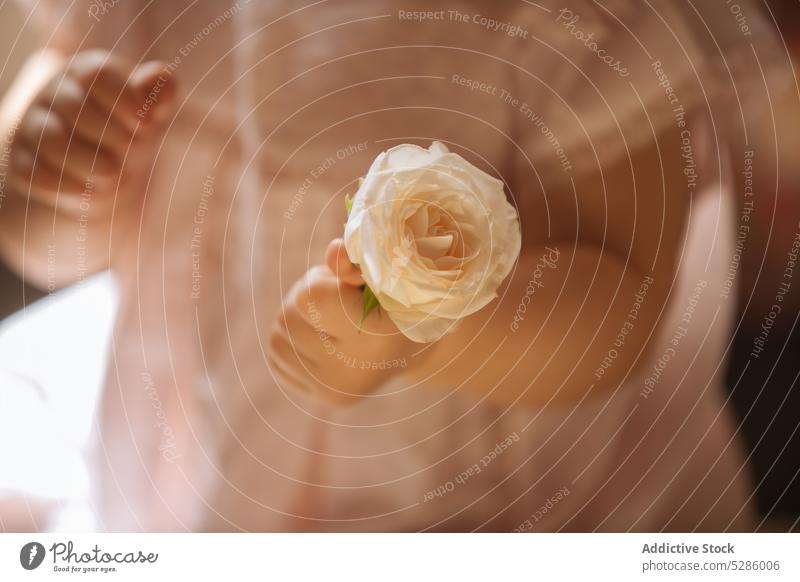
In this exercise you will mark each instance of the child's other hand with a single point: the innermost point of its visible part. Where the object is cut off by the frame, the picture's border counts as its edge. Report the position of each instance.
(319, 343)
(95, 113)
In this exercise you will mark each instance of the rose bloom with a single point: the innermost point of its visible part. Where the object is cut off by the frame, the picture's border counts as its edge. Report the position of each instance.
(434, 237)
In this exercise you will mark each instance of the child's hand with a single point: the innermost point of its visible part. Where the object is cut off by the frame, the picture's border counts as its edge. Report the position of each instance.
(318, 342)
(94, 114)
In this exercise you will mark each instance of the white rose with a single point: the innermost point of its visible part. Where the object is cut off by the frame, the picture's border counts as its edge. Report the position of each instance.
(434, 237)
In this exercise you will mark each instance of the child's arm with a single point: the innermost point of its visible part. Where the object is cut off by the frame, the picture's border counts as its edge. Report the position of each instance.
(591, 321)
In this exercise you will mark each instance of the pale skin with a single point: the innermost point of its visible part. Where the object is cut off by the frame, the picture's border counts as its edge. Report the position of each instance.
(78, 132)
(551, 358)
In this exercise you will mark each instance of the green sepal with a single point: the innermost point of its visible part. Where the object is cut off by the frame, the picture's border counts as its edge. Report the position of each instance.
(369, 304)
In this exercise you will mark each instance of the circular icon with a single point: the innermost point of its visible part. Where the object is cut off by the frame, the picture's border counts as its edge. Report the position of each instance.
(31, 555)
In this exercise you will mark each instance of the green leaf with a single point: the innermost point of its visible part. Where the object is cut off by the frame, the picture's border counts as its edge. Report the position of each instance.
(370, 304)
(369, 301)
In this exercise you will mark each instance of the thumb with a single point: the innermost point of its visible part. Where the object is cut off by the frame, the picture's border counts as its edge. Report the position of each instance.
(337, 261)
(155, 87)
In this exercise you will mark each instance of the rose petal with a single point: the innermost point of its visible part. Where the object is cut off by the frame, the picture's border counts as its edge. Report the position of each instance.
(433, 247)
(434, 236)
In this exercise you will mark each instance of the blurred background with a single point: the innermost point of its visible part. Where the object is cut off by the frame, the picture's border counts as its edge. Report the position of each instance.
(764, 391)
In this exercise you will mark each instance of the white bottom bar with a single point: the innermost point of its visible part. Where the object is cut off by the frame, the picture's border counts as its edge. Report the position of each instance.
(406, 557)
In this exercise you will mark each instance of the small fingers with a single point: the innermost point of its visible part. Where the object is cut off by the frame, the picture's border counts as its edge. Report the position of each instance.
(133, 95)
(46, 134)
(305, 337)
(293, 369)
(339, 263)
(328, 303)
(155, 88)
(285, 362)
(80, 113)
(105, 78)
(40, 179)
